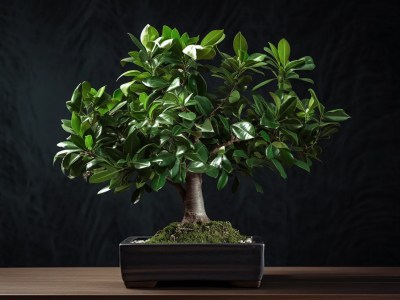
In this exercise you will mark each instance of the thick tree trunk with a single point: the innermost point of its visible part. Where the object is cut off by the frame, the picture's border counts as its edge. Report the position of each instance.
(193, 200)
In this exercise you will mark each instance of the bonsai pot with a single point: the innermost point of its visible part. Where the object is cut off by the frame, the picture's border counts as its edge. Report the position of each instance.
(143, 265)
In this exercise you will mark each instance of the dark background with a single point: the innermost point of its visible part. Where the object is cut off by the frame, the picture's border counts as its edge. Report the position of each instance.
(347, 212)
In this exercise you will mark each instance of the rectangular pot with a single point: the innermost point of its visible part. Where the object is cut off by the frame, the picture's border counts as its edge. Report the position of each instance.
(143, 265)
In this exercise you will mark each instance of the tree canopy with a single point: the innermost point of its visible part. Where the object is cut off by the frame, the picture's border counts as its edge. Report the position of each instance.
(165, 121)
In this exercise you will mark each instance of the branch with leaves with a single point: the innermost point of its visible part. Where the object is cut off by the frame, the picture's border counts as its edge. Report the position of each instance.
(164, 121)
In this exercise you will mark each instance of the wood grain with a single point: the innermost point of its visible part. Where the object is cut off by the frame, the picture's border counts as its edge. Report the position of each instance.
(278, 283)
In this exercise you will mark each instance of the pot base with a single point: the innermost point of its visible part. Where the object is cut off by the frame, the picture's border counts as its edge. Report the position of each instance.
(153, 284)
(145, 265)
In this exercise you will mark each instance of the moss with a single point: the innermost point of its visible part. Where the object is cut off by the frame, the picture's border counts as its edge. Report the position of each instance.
(212, 232)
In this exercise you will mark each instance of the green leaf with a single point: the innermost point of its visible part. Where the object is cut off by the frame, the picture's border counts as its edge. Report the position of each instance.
(261, 84)
(158, 182)
(301, 164)
(222, 180)
(206, 126)
(270, 152)
(243, 130)
(197, 84)
(234, 96)
(213, 38)
(103, 175)
(336, 115)
(239, 43)
(154, 82)
(206, 53)
(174, 84)
(67, 145)
(76, 100)
(130, 73)
(272, 51)
(224, 122)
(265, 136)
(141, 164)
(283, 51)
(321, 108)
(187, 115)
(305, 63)
(191, 51)
(104, 190)
(175, 169)
(100, 92)
(279, 167)
(75, 123)
(89, 142)
(268, 123)
(276, 99)
(137, 42)
(148, 35)
(136, 195)
(203, 105)
(292, 136)
(164, 159)
(257, 57)
(285, 156)
(77, 140)
(287, 107)
(197, 167)
(125, 87)
(166, 32)
(216, 162)
(254, 162)
(201, 151)
(212, 171)
(239, 153)
(226, 164)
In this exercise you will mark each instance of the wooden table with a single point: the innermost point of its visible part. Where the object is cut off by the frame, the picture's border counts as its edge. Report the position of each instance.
(278, 283)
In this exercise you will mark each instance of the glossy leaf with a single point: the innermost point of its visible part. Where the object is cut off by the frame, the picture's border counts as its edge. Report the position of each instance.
(234, 96)
(301, 164)
(197, 167)
(101, 176)
(279, 167)
(239, 43)
(149, 34)
(283, 51)
(336, 115)
(206, 126)
(136, 196)
(239, 153)
(158, 182)
(187, 115)
(243, 130)
(155, 82)
(213, 38)
(89, 142)
(265, 136)
(222, 180)
(75, 123)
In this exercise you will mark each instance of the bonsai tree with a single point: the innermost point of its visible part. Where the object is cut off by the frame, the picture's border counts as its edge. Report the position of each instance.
(168, 125)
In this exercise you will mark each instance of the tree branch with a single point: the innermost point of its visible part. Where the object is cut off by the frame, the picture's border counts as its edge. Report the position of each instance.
(181, 190)
(233, 139)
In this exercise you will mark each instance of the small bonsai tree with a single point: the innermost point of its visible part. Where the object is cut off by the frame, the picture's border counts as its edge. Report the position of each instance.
(166, 125)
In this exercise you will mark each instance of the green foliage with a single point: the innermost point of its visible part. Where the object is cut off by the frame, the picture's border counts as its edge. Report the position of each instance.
(212, 232)
(164, 121)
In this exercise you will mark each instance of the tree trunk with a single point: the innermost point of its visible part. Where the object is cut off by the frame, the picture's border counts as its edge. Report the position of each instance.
(193, 200)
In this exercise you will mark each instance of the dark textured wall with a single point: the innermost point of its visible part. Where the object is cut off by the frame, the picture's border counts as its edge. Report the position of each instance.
(347, 212)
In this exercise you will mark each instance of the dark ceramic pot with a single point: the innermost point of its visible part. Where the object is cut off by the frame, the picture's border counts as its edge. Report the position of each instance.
(143, 265)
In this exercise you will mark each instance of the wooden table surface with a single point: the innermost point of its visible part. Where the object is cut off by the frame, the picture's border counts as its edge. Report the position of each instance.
(278, 283)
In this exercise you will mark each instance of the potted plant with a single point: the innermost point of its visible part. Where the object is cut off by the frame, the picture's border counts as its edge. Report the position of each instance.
(166, 125)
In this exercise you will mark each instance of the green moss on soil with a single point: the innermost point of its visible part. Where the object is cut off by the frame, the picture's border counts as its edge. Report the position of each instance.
(212, 232)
